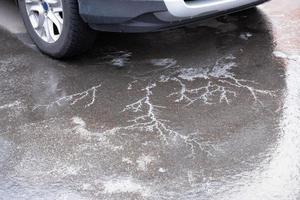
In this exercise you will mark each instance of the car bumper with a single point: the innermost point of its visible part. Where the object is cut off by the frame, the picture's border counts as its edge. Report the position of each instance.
(154, 15)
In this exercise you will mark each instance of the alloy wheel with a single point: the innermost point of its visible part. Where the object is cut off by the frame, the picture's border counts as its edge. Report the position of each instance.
(46, 17)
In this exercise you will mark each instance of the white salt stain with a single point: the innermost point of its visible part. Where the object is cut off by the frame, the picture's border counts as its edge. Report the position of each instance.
(162, 170)
(221, 84)
(88, 95)
(87, 187)
(246, 36)
(10, 105)
(221, 69)
(72, 170)
(190, 74)
(6, 149)
(149, 120)
(37, 166)
(66, 170)
(144, 161)
(81, 129)
(127, 160)
(191, 178)
(125, 185)
(130, 85)
(218, 84)
(79, 121)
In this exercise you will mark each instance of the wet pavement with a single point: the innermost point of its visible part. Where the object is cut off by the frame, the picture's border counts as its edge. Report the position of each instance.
(206, 112)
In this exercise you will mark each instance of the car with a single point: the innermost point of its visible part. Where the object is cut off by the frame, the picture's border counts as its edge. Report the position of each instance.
(64, 28)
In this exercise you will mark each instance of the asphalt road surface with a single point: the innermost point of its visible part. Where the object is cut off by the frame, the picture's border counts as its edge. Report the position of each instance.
(206, 112)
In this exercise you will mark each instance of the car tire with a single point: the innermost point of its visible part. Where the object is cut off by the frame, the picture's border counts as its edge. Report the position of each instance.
(73, 36)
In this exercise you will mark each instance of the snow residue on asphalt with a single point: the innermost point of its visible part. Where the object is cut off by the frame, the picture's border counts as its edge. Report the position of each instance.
(127, 160)
(144, 161)
(78, 121)
(124, 185)
(80, 128)
(66, 170)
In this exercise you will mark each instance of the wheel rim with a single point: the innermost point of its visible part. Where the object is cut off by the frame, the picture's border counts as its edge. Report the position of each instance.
(46, 18)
